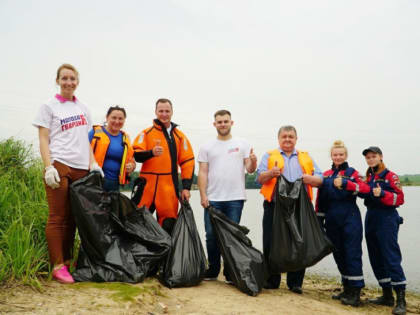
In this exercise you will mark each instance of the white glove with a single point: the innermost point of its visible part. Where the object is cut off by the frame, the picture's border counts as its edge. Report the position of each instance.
(94, 167)
(51, 177)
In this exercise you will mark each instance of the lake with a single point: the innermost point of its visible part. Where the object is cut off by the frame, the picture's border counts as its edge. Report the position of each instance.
(408, 235)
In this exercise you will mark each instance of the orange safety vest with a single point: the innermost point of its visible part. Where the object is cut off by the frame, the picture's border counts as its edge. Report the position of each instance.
(305, 162)
(100, 143)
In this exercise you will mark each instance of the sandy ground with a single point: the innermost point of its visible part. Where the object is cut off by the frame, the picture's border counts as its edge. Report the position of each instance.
(214, 297)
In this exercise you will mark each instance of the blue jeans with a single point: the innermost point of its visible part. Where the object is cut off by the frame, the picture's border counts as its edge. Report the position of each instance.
(111, 185)
(233, 210)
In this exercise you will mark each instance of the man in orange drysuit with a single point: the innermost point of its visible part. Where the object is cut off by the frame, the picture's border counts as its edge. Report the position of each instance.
(162, 148)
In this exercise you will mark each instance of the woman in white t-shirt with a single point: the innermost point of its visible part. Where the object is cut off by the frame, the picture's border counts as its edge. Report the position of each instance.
(63, 123)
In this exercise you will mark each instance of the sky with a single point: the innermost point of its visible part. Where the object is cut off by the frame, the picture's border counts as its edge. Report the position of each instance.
(347, 70)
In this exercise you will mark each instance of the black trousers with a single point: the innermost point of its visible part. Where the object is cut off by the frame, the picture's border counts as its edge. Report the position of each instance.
(294, 279)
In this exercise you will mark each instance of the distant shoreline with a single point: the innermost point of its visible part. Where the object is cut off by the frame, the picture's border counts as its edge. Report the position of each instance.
(251, 183)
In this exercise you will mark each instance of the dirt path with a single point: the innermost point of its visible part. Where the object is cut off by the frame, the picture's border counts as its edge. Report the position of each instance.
(213, 297)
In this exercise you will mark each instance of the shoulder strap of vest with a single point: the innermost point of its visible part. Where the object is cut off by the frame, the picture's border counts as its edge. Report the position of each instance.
(303, 154)
(97, 128)
(305, 160)
(124, 136)
(275, 151)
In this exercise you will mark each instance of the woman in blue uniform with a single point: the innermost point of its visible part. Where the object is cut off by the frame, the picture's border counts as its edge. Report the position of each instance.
(338, 213)
(381, 229)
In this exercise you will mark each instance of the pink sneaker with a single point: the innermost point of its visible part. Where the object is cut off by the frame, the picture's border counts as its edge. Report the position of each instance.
(62, 275)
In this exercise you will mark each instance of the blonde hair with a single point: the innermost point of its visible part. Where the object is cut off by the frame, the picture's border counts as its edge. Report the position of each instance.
(338, 144)
(69, 67)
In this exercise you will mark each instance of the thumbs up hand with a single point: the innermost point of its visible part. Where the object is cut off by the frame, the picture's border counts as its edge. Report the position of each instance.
(338, 182)
(377, 190)
(252, 156)
(275, 171)
(157, 149)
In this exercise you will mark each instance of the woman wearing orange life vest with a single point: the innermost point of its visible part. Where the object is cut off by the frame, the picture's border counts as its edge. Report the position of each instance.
(112, 149)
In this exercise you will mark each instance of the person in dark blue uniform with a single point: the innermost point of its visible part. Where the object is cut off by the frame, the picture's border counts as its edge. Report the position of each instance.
(381, 229)
(338, 213)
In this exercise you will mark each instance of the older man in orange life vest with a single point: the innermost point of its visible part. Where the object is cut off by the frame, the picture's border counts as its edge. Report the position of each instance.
(293, 164)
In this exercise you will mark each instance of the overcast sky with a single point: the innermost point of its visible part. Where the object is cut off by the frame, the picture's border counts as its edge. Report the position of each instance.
(346, 70)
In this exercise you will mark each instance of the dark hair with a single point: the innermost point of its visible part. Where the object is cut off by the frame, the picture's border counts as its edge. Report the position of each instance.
(163, 100)
(69, 67)
(287, 128)
(222, 112)
(116, 107)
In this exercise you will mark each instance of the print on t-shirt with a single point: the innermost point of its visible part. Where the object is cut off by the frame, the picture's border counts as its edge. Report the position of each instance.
(73, 121)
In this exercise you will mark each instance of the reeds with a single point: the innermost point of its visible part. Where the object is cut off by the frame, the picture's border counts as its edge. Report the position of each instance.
(23, 214)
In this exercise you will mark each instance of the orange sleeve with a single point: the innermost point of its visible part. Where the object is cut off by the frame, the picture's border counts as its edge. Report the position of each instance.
(141, 151)
(139, 143)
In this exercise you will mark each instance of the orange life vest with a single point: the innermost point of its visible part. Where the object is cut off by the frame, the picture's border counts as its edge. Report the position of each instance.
(100, 143)
(305, 163)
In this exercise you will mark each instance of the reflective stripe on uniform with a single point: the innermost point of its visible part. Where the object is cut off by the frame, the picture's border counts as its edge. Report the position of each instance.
(357, 189)
(355, 278)
(320, 214)
(385, 280)
(394, 202)
(399, 283)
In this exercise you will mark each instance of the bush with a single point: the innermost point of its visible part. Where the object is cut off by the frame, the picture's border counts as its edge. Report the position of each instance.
(23, 214)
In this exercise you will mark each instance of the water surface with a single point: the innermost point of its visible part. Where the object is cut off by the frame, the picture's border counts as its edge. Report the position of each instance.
(408, 235)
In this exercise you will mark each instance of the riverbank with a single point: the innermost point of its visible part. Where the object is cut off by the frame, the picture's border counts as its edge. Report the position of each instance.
(210, 297)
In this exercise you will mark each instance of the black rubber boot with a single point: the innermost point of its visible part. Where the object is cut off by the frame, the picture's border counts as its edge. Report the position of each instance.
(401, 307)
(352, 298)
(341, 294)
(386, 299)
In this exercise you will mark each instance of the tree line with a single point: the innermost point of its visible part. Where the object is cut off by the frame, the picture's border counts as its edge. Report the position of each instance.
(250, 181)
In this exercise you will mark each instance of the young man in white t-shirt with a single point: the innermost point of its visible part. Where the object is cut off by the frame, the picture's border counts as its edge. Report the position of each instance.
(221, 181)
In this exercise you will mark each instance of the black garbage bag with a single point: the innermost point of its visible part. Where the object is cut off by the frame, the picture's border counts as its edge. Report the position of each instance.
(118, 241)
(297, 240)
(243, 263)
(138, 188)
(186, 264)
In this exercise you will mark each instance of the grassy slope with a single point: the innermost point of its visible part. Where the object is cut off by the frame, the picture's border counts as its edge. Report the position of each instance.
(23, 214)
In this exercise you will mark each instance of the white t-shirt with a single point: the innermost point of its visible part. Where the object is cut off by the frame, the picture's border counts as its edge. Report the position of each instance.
(226, 176)
(69, 123)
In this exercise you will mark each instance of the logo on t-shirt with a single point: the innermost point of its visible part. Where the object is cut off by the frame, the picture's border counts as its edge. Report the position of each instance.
(73, 121)
(233, 150)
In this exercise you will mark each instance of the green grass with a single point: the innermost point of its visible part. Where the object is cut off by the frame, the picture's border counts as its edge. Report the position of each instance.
(23, 214)
(122, 292)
